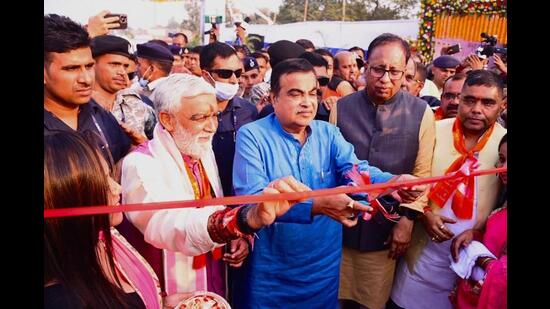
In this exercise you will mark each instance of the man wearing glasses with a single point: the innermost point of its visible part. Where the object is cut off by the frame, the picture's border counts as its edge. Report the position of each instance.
(414, 81)
(394, 131)
(222, 68)
(320, 65)
(450, 97)
(113, 56)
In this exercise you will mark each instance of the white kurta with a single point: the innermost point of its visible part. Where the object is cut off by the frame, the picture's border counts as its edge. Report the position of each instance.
(424, 279)
(156, 173)
(431, 281)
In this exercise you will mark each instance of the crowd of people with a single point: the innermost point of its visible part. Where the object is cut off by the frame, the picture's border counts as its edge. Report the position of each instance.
(173, 122)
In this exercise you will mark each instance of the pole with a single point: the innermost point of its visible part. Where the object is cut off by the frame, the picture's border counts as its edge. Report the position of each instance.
(305, 11)
(201, 32)
(343, 10)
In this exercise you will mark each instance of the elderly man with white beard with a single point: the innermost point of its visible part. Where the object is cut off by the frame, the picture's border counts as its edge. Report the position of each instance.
(179, 164)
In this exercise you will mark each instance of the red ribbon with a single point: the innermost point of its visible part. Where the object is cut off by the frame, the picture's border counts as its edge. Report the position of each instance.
(443, 190)
(463, 200)
(363, 179)
(255, 199)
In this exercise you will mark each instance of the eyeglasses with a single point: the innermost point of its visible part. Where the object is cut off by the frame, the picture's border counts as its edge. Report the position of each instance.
(379, 72)
(411, 79)
(323, 80)
(223, 73)
(204, 117)
(131, 75)
(450, 96)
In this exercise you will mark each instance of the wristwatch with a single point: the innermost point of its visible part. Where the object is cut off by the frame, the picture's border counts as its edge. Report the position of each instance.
(242, 223)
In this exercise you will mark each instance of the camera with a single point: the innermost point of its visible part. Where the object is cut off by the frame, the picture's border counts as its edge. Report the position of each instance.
(488, 46)
(453, 49)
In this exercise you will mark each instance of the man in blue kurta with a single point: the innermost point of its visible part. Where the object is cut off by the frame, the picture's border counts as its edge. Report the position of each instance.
(295, 262)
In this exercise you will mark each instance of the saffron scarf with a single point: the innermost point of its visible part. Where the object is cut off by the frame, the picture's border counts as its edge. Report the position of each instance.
(463, 200)
(199, 261)
(438, 115)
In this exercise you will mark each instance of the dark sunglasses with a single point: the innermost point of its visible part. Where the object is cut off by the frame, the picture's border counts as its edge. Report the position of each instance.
(323, 80)
(223, 73)
(132, 75)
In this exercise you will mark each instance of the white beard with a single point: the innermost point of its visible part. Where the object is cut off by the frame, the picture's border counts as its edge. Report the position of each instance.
(189, 144)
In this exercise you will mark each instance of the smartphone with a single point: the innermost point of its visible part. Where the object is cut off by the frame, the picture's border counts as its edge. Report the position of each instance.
(122, 20)
(453, 49)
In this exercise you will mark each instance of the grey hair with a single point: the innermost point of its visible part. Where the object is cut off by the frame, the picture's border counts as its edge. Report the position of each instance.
(167, 95)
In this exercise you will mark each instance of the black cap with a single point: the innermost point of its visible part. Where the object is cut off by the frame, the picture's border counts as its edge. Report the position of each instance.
(154, 51)
(173, 35)
(110, 44)
(282, 50)
(176, 50)
(360, 62)
(446, 62)
(250, 63)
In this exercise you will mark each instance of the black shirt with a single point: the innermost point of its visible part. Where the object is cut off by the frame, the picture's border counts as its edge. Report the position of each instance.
(335, 82)
(237, 113)
(93, 117)
(432, 101)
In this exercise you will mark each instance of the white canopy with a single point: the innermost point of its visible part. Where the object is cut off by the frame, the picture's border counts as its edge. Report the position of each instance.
(331, 34)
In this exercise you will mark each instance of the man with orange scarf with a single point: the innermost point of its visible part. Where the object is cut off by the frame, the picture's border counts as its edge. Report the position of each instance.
(424, 278)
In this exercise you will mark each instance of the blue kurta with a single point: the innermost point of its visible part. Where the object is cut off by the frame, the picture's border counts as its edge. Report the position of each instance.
(295, 262)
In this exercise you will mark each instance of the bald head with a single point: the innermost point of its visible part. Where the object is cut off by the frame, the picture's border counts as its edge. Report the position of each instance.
(345, 66)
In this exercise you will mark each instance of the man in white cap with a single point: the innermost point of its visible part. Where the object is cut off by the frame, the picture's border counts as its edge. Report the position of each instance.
(240, 30)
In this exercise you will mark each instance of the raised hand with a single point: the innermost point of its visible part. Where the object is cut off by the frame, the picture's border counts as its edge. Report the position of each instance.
(500, 64)
(100, 25)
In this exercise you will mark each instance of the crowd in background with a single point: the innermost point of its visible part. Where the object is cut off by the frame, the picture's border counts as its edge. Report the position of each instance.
(172, 122)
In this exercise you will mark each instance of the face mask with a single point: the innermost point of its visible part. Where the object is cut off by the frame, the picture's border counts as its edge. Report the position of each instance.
(142, 80)
(225, 91)
(267, 77)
